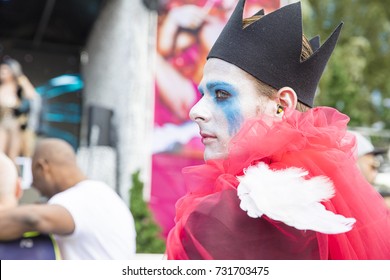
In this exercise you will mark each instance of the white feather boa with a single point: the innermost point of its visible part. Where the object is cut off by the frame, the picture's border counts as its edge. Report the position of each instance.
(286, 196)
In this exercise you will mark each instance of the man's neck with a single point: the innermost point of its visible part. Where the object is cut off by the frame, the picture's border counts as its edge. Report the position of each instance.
(72, 180)
(6, 204)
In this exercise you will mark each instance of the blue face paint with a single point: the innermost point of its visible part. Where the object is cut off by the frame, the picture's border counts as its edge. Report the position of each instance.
(201, 91)
(225, 97)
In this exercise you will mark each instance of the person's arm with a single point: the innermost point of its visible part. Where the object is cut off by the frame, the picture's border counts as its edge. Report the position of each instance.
(45, 218)
(177, 92)
(186, 16)
(28, 88)
(209, 33)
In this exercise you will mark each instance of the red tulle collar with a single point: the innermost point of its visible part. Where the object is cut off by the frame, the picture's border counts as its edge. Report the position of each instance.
(266, 140)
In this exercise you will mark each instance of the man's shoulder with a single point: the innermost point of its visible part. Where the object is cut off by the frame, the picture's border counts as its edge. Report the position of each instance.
(86, 189)
(90, 183)
(93, 186)
(84, 186)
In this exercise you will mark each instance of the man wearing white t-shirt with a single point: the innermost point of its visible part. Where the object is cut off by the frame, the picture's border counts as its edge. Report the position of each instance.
(87, 218)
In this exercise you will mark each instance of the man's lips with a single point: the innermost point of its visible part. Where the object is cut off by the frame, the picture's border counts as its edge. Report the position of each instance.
(207, 137)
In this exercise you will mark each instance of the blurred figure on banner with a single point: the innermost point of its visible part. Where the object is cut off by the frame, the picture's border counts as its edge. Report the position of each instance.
(16, 93)
(186, 31)
(86, 217)
(32, 245)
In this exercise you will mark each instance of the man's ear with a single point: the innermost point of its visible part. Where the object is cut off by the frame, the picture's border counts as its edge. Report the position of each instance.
(42, 165)
(18, 189)
(287, 98)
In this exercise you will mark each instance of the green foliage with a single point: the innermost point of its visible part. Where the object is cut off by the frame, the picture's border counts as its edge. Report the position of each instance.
(342, 85)
(359, 69)
(149, 239)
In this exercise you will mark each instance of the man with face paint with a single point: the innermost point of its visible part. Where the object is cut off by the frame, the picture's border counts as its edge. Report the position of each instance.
(280, 179)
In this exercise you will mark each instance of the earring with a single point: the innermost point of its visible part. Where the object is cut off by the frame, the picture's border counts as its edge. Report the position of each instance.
(279, 110)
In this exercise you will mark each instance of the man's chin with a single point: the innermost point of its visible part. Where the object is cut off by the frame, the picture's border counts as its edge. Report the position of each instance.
(210, 154)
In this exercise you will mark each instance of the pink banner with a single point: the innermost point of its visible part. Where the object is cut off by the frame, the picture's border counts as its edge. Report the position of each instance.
(186, 31)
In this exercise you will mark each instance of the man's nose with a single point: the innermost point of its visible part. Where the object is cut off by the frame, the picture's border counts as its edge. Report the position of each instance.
(199, 112)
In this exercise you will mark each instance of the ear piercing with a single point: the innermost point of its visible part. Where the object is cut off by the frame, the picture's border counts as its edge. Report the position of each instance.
(279, 110)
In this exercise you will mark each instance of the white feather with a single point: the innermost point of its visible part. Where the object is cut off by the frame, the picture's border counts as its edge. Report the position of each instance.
(286, 196)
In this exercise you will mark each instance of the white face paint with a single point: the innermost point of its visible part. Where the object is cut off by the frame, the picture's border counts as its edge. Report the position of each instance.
(230, 96)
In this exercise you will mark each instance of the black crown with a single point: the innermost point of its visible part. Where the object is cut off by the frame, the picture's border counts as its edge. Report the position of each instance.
(270, 49)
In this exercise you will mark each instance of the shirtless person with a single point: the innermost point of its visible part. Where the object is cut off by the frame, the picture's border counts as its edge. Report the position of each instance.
(14, 86)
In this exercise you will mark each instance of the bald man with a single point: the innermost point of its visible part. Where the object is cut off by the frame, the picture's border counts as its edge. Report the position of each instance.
(87, 218)
(31, 245)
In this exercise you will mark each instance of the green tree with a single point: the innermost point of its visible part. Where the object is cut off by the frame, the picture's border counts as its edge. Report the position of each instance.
(356, 80)
(149, 238)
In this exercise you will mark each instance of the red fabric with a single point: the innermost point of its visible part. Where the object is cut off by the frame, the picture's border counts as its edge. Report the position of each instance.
(210, 224)
(168, 186)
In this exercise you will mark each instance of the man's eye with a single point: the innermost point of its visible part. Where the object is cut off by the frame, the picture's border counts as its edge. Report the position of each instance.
(221, 94)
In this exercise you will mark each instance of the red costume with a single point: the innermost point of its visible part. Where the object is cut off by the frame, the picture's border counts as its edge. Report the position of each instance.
(211, 225)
